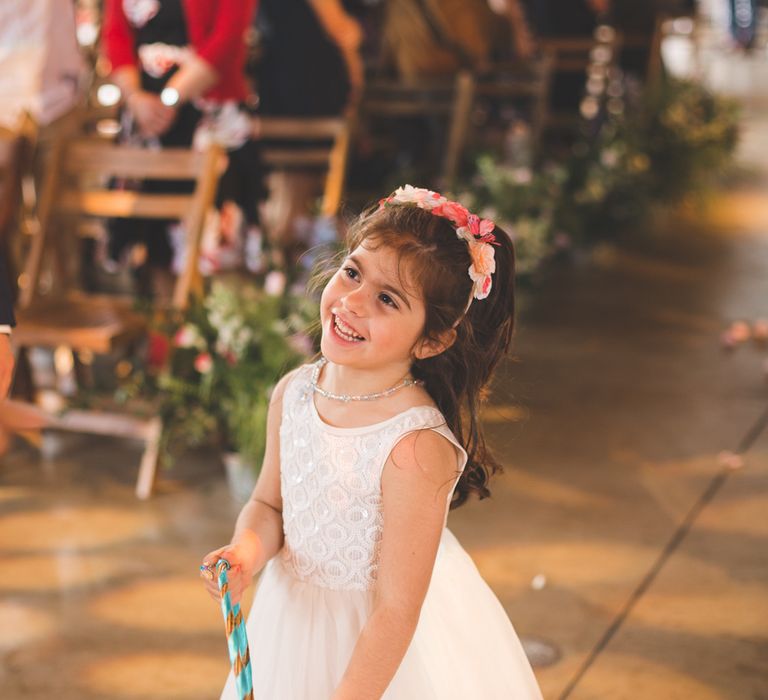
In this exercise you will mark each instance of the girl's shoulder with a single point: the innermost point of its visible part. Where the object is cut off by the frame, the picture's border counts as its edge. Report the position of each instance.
(288, 379)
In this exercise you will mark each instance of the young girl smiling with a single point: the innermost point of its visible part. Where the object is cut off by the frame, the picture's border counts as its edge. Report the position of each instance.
(365, 593)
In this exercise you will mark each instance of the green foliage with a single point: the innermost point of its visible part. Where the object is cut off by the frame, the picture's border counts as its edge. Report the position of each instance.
(225, 356)
(667, 146)
(522, 202)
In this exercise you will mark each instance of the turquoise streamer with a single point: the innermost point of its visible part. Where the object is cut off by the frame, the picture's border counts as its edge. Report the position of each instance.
(237, 639)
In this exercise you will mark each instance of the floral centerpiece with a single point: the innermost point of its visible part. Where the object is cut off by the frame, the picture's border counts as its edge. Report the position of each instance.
(224, 356)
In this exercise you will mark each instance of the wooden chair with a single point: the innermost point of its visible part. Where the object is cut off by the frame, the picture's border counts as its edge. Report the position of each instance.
(295, 143)
(574, 55)
(448, 99)
(77, 185)
(523, 85)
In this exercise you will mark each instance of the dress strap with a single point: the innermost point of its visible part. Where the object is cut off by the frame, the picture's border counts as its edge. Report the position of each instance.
(422, 418)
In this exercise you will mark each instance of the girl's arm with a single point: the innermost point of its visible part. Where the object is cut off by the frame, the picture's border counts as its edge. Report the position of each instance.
(258, 532)
(415, 483)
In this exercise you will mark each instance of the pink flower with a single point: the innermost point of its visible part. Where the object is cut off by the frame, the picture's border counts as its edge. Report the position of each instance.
(274, 283)
(186, 337)
(730, 460)
(480, 228)
(740, 331)
(454, 212)
(760, 329)
(204, 363)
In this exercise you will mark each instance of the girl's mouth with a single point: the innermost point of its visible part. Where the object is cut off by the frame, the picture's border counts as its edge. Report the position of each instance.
(345, 332)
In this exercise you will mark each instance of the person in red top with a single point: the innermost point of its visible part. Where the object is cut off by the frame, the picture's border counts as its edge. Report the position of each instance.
(180, 66)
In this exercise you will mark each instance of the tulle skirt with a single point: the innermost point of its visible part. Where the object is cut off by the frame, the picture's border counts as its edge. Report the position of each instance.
(302, 635)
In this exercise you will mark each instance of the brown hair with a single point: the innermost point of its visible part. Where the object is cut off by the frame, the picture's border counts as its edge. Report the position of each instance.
(457, 379)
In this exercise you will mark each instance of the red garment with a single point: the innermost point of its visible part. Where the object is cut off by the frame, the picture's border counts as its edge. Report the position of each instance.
(216, 32)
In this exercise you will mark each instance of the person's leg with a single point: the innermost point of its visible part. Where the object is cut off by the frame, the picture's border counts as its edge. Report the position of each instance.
(291, 198)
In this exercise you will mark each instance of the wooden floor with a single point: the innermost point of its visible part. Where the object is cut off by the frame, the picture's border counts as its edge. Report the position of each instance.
(615, 540)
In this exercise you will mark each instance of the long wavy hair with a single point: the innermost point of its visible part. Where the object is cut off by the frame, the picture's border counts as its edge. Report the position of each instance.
(458, 378)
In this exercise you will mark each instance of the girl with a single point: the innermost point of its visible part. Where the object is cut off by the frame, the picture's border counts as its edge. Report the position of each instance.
(365, 593)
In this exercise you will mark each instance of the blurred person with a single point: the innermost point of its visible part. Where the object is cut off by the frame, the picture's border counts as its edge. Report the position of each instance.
(180, 67)
(438, 37)
(41, 72)
(310, 66)
(15, 417)
(41, 68)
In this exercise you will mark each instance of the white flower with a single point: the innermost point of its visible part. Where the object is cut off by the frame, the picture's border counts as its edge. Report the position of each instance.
(187, 337)
(274, 283)
(424, 199)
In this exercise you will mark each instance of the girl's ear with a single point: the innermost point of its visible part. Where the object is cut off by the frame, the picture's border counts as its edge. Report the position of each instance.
(429, 347)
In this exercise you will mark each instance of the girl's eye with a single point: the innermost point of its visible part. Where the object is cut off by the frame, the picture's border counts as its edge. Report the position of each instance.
(388, 300)
(350, 272)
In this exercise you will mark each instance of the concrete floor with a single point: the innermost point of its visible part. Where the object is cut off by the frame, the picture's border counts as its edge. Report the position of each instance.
(627, 400)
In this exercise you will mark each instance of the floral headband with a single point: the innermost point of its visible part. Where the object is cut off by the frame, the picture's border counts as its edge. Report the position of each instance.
(469, 227)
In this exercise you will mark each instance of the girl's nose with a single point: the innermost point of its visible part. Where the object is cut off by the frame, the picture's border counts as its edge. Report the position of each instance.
(355, 301)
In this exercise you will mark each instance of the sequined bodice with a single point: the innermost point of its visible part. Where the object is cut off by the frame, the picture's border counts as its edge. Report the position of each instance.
(331, 487)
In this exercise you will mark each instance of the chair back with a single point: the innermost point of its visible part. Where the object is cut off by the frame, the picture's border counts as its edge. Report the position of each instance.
(449, 98)
(301, 143)
(79, 183)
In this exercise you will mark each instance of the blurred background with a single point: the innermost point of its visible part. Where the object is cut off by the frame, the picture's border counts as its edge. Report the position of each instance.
(171, 174)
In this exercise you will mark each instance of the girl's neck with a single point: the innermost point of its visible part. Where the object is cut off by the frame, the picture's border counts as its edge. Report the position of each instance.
(354, 381)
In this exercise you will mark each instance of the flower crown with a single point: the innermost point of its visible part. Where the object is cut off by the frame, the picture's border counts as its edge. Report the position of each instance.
(469, 227)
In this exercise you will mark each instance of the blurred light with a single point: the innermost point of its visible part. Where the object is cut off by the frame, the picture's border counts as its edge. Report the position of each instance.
(595, 86)
(108, 95)
(615, 88)
(50, 400)
(601, 54)
(123, 369)
(86, 357)
(589, 108)
(108, 127)
(682, 25)
(597, 71)
(616, 106)
(87, 33)
(63, 360)
(605, 33)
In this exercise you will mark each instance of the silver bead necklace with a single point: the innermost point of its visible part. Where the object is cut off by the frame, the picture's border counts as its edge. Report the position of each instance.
(362, 397)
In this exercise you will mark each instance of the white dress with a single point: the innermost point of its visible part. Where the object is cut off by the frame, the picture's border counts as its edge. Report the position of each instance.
(314, 597)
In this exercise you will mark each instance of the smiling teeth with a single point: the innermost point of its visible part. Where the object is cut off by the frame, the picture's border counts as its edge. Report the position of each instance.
(344, 330)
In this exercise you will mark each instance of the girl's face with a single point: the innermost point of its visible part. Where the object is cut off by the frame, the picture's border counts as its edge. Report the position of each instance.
(371, 318)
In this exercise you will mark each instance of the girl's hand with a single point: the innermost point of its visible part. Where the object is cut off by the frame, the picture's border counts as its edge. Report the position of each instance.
(153, 117)
(240, 574)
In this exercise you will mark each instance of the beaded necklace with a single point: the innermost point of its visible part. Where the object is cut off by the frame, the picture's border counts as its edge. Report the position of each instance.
(407, 381)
